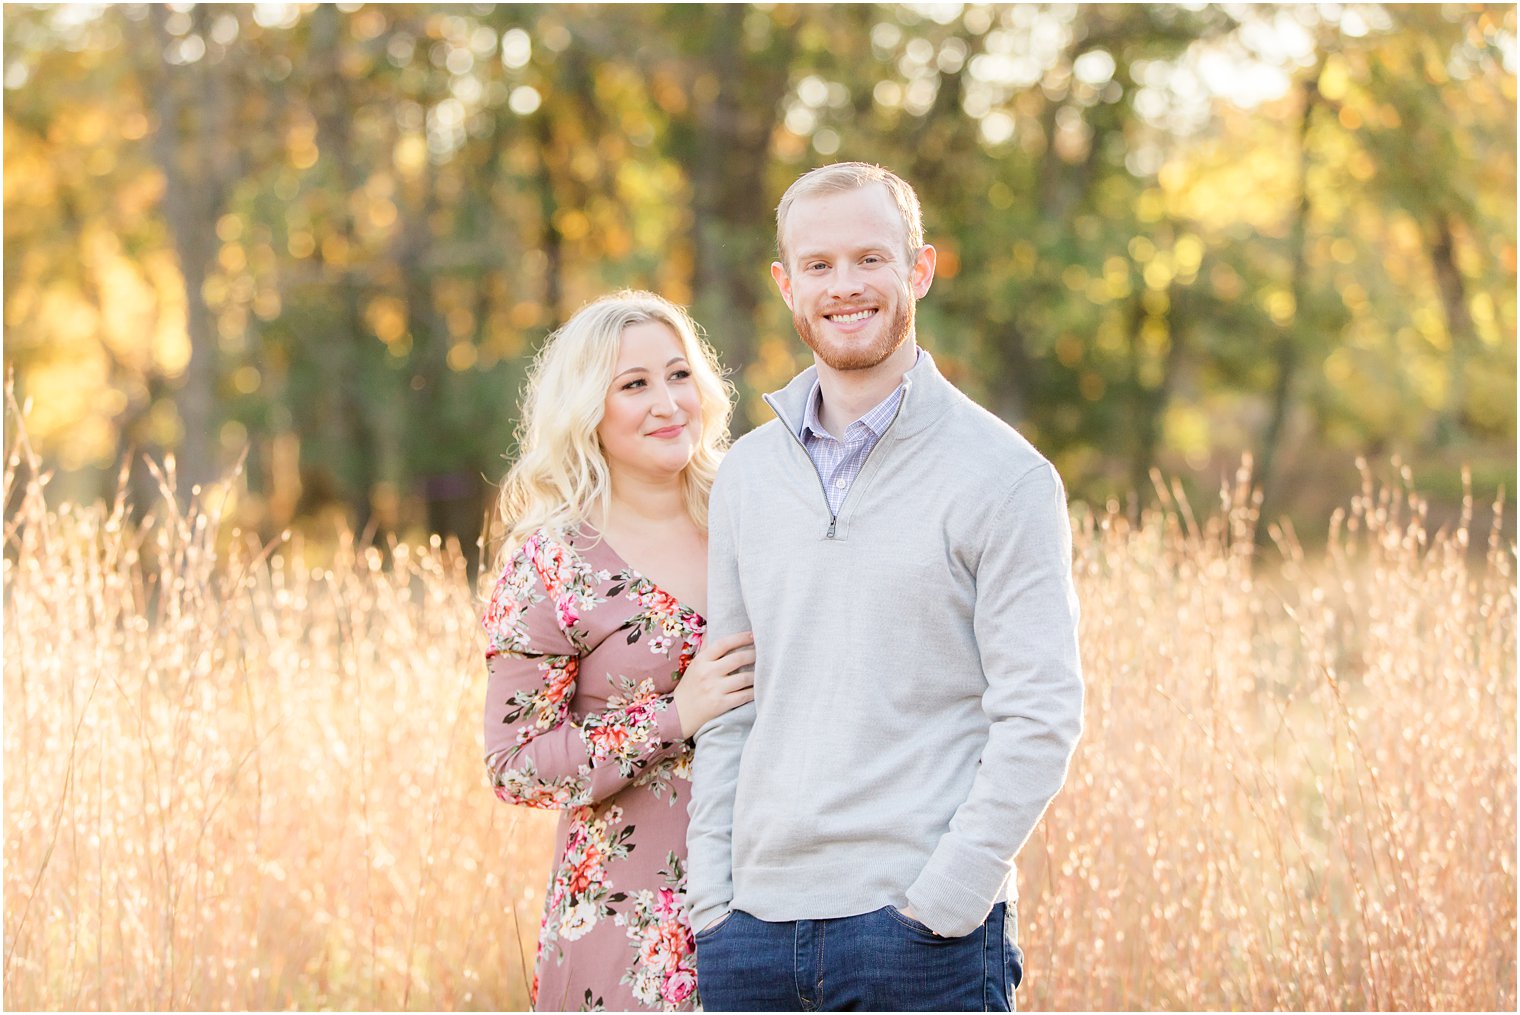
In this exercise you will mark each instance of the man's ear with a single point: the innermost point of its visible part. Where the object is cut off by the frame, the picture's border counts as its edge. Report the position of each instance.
(922, 275)
(784, 282)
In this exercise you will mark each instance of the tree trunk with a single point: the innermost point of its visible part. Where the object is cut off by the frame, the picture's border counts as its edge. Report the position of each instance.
(1151, 405)
(1287, 352)
(193, 105)
(346, 413)
(550, 240)
(731, 205)
(1459, 327)
(1008, 388)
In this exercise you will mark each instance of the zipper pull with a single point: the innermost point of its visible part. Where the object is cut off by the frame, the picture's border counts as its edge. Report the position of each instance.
(830, 534)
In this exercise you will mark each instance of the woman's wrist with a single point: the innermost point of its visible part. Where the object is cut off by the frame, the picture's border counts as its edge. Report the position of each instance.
(668, 719)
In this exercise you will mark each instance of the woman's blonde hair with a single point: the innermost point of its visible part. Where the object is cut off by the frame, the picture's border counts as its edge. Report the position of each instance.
(561, 476)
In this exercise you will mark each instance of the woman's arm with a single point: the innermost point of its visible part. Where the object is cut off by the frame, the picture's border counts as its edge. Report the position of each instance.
(537, 752)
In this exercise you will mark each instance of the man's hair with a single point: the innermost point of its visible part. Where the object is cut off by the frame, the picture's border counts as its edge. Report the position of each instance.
(842, 176)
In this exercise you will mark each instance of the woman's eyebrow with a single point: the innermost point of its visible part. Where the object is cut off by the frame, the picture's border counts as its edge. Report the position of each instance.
(635, 370)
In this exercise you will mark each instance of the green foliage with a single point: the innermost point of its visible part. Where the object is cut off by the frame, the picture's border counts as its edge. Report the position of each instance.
(333, 236)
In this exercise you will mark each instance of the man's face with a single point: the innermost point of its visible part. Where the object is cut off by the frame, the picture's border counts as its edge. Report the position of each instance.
(849, 282)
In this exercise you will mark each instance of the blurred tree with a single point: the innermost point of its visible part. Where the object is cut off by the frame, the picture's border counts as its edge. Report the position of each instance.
(735, 67)
(333, 236)
(1465, 140)
(195, 91)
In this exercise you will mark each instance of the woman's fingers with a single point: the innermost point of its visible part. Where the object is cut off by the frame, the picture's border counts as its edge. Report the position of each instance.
(736, 660)
(739, 678)
(704, 669)
(722, 646)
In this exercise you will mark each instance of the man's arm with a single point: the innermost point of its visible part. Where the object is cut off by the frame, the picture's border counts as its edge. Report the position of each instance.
(1025, 624)
(720, 742)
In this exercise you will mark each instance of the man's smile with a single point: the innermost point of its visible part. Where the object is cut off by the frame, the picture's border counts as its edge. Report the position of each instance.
(851, 316)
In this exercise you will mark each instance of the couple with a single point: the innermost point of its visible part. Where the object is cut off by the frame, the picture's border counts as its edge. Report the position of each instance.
(864, 623)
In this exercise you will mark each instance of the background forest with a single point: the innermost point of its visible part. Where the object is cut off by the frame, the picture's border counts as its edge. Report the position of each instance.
(332, 236)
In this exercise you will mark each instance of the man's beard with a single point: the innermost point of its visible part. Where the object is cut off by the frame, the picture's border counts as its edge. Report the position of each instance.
(842, 356)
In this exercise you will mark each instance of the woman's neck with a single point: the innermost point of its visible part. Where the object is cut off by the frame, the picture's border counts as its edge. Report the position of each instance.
(640, 504)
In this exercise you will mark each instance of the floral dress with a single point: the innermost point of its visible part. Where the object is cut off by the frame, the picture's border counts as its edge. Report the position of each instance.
(584, 654)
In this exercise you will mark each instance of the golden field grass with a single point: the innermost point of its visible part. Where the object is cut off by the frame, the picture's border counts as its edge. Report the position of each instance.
(242, 776)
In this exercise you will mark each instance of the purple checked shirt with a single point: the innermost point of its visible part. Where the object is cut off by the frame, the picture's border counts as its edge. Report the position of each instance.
(839, 462)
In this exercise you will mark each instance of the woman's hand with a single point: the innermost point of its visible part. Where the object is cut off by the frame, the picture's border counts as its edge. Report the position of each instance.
(721, 677)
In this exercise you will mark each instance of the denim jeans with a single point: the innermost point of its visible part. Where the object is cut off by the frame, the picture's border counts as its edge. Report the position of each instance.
(878, 961)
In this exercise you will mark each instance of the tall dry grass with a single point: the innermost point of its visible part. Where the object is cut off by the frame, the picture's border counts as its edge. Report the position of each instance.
(1296, 789)
(237, 778)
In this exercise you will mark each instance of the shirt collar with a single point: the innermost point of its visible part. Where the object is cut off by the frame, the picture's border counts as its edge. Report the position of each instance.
(876, 418)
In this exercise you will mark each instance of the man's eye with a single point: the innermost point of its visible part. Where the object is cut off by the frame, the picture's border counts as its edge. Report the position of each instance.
(816, 266)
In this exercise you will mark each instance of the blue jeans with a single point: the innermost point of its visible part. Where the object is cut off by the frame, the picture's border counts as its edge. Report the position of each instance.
(878, 961)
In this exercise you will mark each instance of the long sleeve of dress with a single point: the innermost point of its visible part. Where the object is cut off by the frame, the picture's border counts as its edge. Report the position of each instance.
(538, 752)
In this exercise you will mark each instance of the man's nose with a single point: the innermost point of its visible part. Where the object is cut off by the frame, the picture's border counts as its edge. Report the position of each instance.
(846, 281)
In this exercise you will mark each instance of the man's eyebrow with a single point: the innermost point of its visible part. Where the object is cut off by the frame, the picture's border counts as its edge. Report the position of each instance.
(639, 370)
(869, 248)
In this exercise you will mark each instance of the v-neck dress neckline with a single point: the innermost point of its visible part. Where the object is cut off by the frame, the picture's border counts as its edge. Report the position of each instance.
(596, 540)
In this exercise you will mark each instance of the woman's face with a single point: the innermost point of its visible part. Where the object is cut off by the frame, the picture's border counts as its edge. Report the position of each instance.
(652, 418)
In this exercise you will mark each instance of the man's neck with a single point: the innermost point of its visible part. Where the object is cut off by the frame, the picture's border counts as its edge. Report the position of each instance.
(850, 394)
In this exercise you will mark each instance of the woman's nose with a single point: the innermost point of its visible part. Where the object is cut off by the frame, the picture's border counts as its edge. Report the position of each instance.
(664, 403)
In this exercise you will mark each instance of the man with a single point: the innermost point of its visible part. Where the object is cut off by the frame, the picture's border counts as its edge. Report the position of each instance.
(904, 560)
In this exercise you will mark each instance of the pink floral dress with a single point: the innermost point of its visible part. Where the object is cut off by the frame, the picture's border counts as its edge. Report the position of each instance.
(584, 654)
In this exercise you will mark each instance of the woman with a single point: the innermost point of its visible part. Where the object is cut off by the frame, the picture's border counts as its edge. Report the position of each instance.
(598, 676)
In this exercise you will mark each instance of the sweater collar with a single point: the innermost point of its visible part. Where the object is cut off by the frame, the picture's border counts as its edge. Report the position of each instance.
(926, 395)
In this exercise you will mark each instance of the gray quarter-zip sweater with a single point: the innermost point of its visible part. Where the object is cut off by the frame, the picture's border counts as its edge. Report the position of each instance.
(917, 689)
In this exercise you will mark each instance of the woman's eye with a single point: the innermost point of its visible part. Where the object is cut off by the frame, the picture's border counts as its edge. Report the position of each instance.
(631, 385)
(680, 375)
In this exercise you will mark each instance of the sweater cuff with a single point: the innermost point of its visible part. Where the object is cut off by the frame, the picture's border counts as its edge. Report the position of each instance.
(957, 888)
(700, 918)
